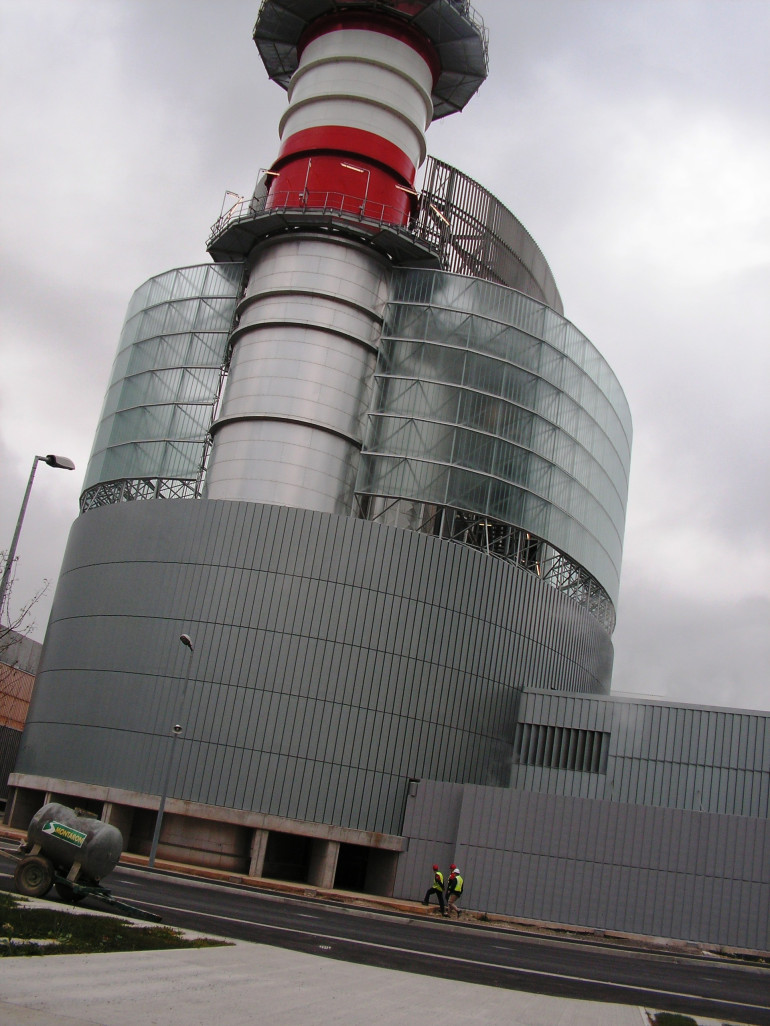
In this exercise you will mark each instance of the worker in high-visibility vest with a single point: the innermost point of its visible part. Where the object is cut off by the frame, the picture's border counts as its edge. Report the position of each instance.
(454, 888)
(437, 888)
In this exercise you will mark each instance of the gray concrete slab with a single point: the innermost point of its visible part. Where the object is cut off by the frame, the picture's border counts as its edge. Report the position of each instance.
(247, 983)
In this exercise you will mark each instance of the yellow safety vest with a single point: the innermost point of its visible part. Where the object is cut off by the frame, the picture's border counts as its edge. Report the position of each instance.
(438, 881)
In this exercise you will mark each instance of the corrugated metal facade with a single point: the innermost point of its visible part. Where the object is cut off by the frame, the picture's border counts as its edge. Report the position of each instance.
(334, 660)
(657, 754)
(608, 866)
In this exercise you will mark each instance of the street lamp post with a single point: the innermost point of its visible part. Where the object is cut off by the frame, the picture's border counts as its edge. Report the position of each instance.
(63, 463)
(176, 730)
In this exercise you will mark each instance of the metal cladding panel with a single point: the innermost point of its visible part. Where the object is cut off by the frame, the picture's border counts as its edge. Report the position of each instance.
(325, 674)
(292, 417)
(545, 869)
(653, 753)
(21, 653)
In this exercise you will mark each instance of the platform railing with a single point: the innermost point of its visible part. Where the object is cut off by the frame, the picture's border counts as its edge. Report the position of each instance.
(366, 211)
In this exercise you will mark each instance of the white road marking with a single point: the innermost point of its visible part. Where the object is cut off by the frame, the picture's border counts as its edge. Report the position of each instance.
(468, 961)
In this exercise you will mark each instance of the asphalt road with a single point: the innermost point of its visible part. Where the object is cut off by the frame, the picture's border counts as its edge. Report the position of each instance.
(708, 986)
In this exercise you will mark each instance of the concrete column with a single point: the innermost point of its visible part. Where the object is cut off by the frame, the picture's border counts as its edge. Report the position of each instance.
(381, 872)
(120, 816)
(22, 807)
(323, 863)
(257, 852)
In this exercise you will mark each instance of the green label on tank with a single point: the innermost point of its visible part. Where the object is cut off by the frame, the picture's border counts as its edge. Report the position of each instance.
(65, 833)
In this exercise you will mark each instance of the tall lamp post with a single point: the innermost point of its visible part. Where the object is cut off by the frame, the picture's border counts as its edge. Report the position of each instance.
(63, 463)
(176, 730)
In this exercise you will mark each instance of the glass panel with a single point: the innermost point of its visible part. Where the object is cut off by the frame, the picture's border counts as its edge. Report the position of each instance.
(546, 426)
(166, 376)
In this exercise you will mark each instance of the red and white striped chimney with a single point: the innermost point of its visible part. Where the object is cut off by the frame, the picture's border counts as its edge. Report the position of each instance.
(362, 83)
(359, 106)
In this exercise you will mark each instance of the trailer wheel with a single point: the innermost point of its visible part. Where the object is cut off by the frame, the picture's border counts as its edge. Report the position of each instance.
(34, 876)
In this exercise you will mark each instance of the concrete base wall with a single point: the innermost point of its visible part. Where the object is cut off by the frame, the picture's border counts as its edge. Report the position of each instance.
(660, 872)
(216, 838)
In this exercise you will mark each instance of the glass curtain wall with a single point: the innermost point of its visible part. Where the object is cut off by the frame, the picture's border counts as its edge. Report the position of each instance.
(164, 386)
(490, 403)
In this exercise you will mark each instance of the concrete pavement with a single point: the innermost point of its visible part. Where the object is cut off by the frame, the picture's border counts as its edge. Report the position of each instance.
(252, 983)
(242, 984)
(245, 983)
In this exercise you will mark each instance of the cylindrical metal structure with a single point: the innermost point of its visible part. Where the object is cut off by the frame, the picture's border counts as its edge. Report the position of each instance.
(164, 386)
(424, 479)
(291, 425)
(359, 105)
(292, 419)
(339, 659)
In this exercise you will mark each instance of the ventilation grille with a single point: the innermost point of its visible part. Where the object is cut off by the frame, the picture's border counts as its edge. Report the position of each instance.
(569, 748)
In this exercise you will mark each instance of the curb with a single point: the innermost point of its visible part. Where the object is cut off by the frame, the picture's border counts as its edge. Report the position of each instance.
(472, 918)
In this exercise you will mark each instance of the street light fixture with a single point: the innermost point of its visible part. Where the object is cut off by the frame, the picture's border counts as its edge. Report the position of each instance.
(176, 730)
(62, 463)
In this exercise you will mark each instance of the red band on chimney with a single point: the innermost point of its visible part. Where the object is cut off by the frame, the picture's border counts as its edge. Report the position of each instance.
(350, 143)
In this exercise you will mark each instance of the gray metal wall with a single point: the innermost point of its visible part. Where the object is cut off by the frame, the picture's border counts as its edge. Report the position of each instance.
(575, 861)
(673, 755)
(334, 659)
(19, 651)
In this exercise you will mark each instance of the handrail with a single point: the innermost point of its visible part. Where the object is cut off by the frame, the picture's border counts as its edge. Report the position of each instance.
(364, 210)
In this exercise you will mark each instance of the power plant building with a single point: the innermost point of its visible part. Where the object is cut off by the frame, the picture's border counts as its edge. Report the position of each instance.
(365, 463)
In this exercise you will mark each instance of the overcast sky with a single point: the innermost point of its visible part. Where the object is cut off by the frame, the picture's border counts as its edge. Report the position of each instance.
(631, 137)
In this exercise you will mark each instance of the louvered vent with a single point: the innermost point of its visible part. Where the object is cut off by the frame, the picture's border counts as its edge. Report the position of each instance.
(570, 748)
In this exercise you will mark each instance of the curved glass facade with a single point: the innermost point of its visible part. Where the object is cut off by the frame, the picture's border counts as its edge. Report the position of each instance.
(488, 402)
(165, 383)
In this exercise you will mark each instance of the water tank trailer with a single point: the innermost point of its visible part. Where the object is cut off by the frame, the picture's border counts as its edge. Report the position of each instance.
(72, 852)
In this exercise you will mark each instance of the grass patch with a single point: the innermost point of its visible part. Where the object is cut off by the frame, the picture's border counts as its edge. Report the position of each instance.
(31, 930)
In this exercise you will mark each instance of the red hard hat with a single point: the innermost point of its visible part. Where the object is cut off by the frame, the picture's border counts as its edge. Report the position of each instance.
(435, 867)
(453, 866)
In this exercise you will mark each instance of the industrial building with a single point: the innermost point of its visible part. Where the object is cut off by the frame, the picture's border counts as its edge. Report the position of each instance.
(365, 464)
(19, 658)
